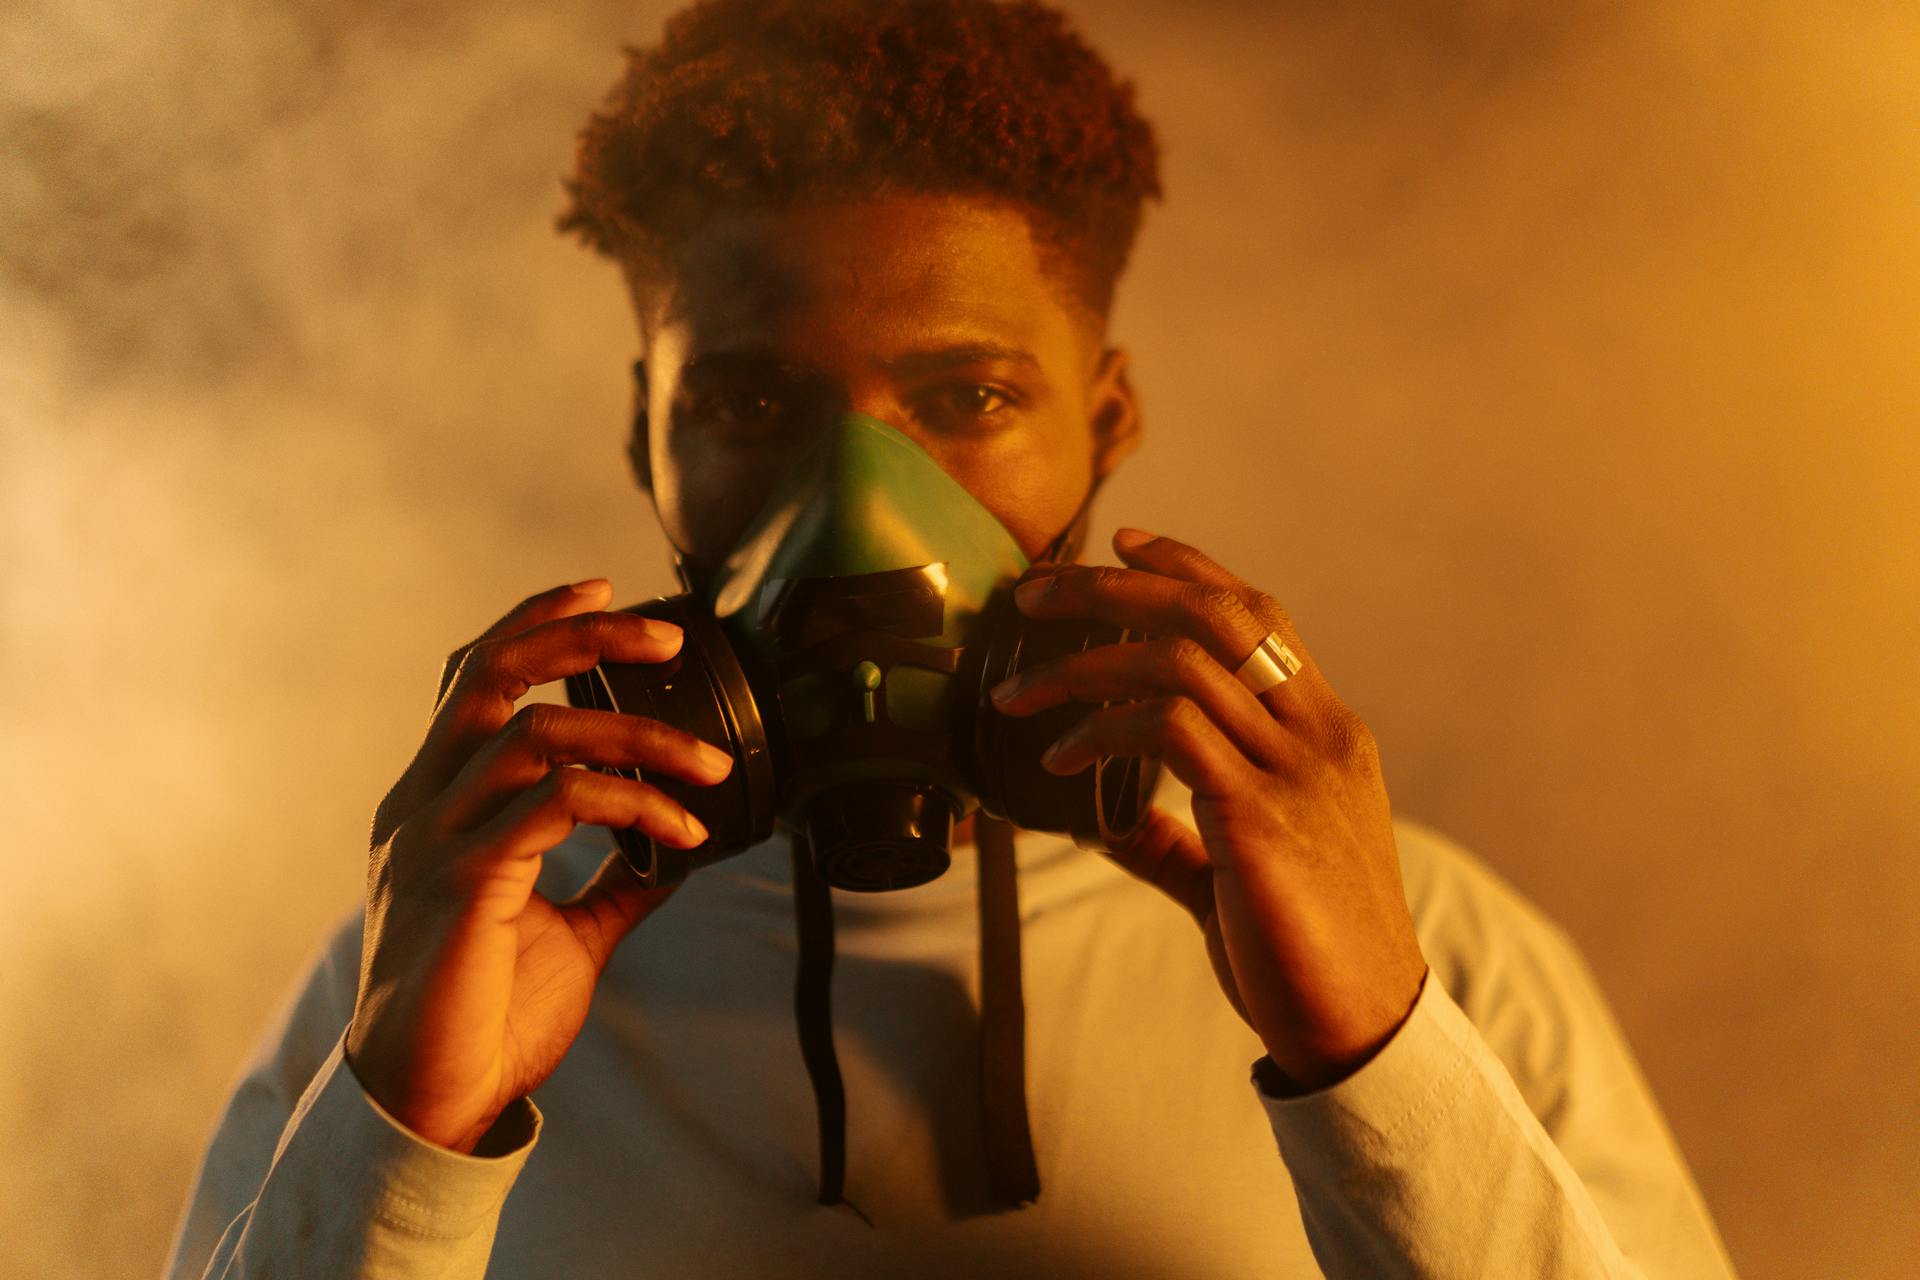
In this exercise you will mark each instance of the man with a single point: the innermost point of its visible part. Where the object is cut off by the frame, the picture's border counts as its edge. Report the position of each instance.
(917, 212)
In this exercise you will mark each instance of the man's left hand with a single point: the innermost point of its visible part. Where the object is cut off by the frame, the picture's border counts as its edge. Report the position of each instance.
(1292, 873)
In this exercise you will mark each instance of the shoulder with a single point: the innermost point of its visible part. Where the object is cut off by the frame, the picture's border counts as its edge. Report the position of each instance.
(1468, 916)
(1513, 970)
(289, 1051)
(312, 1015)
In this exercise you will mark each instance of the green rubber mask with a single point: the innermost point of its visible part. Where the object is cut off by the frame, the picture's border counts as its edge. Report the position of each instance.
(843, 651)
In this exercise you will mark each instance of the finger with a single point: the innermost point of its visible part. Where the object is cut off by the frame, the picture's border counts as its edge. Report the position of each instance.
(542, 736)
(1169, 855)
(429, 770)
(495, 674)
(1137, 669)
(1145, 601)
(1173, 729)
(555, 602)
(610, 905)
(1211, 614)
(546, 813)
(1175, 559)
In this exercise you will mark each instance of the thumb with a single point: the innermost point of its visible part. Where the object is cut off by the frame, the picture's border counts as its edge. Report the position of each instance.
(610, 905)
(1168, 854)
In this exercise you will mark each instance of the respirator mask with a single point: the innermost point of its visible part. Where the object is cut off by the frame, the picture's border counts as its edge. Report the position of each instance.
(842, 653)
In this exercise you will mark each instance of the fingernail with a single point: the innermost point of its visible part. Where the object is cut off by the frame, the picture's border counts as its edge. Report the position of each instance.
(591, 586)
(1032, 592)
(1006, 690)
(1131, 538)
(694, 826)
(716, 760)
(660, 630)
(1051, 754)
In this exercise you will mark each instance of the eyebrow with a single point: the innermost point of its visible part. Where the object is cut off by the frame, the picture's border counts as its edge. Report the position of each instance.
(907, 364)
(933, 359)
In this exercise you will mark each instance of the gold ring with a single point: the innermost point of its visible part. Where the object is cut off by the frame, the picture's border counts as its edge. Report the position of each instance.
(1270, 663)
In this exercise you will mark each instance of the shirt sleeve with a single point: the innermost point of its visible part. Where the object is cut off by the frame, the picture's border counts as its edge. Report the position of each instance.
(1520, 1141)
(306, 1175)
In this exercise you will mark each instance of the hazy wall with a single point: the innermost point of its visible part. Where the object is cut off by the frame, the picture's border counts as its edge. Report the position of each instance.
(1555, 367)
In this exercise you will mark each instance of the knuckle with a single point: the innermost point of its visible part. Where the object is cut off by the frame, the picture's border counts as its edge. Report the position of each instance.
(451, 666)
(1221, 602)
(397, 849)
(412, 862)
(1179, 717)
(533, 726)
(1183, 653)
(1353, 742)
(485, 659)
(380, 873)
(647, 735)
(458, 670)
(647, 806)
(1100, 578)
(591, 629)
(564, 787)
(389, 814)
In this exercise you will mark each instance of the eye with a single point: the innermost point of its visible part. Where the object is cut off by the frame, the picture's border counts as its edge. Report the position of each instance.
(750, 407)
(740, 409)
(972, 400)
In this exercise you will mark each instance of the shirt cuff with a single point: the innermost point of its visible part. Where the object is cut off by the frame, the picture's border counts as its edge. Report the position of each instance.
(367, 1166)
(1408, 1080)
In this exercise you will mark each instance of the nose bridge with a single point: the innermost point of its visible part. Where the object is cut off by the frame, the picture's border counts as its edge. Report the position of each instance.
(841, 348)
(876, 399)
(872, 395)
(866, 388)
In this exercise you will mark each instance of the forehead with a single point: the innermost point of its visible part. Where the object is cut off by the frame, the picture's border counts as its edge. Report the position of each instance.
(860, 271)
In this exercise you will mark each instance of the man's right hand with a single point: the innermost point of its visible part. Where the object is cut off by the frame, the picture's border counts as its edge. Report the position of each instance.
(472, 985)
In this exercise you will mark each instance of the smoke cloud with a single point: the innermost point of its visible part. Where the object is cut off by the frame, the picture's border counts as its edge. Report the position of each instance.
(1555, 366)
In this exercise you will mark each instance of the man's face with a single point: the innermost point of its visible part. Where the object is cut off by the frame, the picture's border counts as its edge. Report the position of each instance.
(930, 313)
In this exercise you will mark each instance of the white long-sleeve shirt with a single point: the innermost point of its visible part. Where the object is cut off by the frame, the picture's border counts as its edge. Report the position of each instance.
(1504, 1130)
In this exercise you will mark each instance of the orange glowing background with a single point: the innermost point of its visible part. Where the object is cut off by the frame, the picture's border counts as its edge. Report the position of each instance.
(1556, 365)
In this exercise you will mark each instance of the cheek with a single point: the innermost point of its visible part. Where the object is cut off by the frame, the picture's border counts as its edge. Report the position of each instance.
(706, 495)
(1032, 484)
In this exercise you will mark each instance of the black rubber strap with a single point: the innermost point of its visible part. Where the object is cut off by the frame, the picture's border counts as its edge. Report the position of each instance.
(1003, 1074)
(1003, 1018)
(812, 990)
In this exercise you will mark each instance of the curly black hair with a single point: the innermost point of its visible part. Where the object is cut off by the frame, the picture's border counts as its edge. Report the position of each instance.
(753, 104)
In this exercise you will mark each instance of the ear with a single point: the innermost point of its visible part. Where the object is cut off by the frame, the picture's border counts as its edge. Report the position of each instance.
(639, 446)
(1113, 412)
